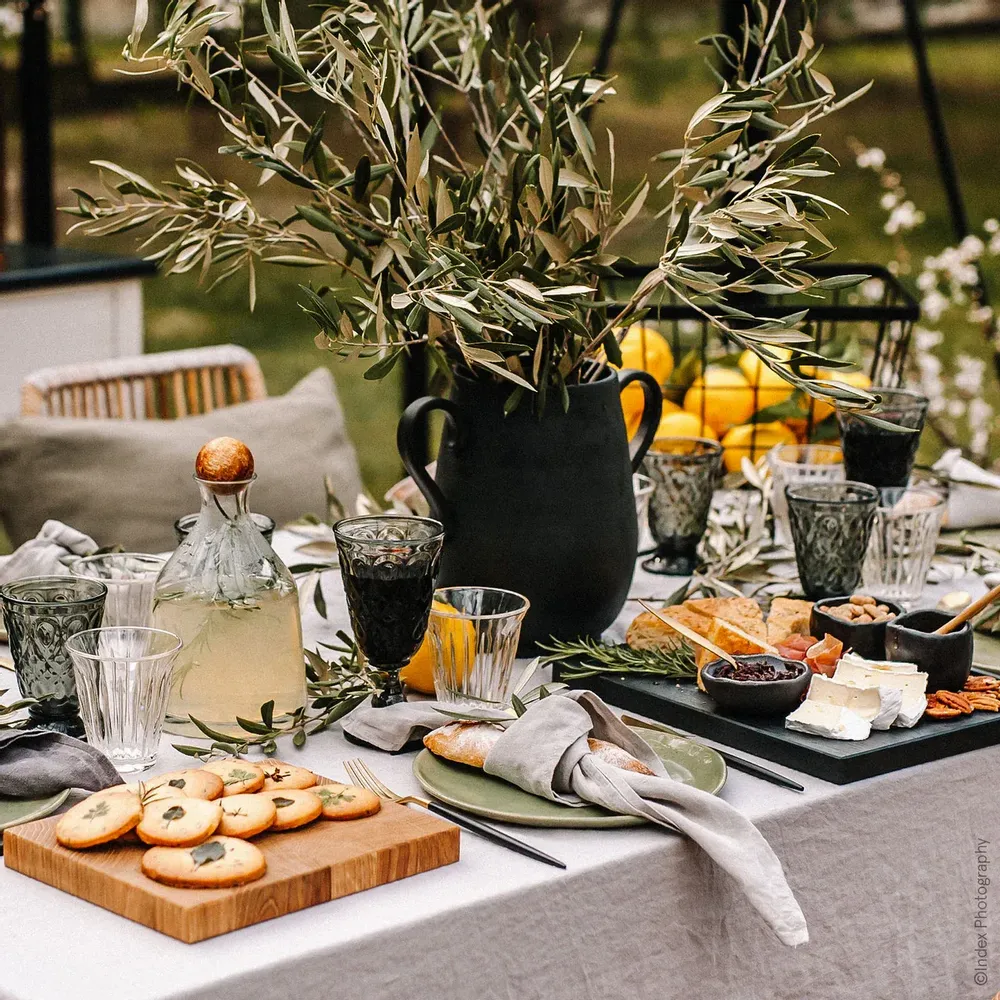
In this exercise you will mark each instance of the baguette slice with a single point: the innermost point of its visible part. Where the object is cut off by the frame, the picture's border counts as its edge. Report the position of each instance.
(731, 609)
(733, 640)
(470, 742)
(787, 616)
(648, 632)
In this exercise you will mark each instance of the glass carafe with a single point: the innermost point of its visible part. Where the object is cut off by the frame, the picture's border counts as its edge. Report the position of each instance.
(235, 605)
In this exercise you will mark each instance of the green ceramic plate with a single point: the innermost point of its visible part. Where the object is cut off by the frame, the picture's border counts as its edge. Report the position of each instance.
(470, 789)
(15, 811)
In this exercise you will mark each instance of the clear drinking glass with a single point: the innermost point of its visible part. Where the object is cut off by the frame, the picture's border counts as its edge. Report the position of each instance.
(40, 614)
(800, 463)
(685, 472)
(131, 581)
(878, 455)
(904, 537)
(388, 564)
(474, 632)
(831, 524)
(123, 683)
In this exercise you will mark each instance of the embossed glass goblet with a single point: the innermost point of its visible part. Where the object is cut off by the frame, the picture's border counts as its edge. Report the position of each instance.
(40, 614)
(800, 463)
(685, 472)
(389, 564)
(831, 524)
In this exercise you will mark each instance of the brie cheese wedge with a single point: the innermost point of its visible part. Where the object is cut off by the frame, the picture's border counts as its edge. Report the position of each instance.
(870, 674)
(886, 666)
(878, 706)
(832, 721)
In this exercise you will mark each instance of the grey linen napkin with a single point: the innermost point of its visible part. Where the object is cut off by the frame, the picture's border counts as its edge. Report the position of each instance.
(36, 763)
(545, 752)
(47, 553)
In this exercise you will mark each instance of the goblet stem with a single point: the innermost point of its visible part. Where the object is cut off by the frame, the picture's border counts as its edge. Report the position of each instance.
(392, 693)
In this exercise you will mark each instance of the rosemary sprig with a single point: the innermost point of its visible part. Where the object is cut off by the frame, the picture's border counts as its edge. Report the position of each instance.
(334, 687)
(583, 658)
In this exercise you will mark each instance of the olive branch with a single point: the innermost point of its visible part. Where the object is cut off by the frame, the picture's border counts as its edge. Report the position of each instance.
(479, 221)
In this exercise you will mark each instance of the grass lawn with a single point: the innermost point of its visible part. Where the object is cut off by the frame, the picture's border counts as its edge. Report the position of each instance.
(661, 83)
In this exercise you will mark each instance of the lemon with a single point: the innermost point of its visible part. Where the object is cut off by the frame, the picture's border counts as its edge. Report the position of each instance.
(753, 440)
(419, 672)
(680, 423)
(647, 349)
(722, 397)
(771, 387)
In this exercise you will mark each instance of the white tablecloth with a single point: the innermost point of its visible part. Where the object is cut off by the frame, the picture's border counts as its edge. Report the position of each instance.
(886, 871)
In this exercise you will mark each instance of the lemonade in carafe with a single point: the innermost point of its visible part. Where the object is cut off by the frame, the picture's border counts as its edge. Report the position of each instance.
(233, 603)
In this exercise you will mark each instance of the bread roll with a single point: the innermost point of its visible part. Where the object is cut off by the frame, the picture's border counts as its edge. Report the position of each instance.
(470, 743)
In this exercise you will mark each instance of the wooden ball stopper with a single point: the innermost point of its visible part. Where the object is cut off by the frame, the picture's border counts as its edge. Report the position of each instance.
(224, 460)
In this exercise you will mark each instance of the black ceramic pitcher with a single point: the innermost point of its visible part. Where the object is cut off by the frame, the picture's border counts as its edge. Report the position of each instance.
(539, 504)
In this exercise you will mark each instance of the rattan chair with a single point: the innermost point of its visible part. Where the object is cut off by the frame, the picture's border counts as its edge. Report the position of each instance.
(148, 387)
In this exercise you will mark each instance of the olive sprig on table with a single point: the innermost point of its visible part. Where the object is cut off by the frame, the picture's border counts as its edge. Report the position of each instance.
(334, 687)
(9, 718)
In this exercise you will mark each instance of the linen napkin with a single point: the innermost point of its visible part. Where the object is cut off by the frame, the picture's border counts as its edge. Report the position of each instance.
(545, 752)
(36, 763)
(974, 495)
(43, 555)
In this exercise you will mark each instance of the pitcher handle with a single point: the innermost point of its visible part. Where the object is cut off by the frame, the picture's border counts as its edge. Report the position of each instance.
(651, 410)
(411, 423)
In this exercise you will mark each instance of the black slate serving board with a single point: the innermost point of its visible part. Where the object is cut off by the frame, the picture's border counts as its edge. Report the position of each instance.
(838, 761)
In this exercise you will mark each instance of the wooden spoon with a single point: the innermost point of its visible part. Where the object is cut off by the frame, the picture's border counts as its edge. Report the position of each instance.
(970, 612)
(690, 634)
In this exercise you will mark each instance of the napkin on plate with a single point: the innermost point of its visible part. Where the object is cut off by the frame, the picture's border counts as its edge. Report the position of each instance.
(974, 494)
(36, 763)
(545, 752)
(43, 555)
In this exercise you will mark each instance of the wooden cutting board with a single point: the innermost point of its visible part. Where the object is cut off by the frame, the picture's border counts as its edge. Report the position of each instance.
(315, 864)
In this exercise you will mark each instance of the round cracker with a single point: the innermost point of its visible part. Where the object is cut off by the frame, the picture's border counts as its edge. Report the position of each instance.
(295, 807)
(179, 822)
(346, 801)
(278, 775)
(245, 816)
(235, 862)
(98, 820)
(192, 783)
(238, 776)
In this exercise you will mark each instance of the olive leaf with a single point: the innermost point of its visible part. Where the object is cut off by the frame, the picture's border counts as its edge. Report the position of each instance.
(280, 802)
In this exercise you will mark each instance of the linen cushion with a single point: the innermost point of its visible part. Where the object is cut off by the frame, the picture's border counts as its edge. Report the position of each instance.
(126, 481)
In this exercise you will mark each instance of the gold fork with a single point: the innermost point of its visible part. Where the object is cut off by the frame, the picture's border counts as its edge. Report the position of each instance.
(361, 774)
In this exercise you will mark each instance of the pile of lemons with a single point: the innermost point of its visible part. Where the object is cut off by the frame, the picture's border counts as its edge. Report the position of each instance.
(721, 402)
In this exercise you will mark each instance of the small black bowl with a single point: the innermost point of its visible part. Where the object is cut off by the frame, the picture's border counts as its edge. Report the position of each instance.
(757, 697)
(946, 659)
(867, 639)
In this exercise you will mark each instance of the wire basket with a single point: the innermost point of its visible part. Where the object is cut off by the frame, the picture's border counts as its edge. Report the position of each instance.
(869, 324)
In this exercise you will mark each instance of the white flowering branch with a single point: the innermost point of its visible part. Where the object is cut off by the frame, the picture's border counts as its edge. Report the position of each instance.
(948, 283)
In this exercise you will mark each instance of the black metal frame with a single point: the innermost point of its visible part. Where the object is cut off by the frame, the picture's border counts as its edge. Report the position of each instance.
(892, 317)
